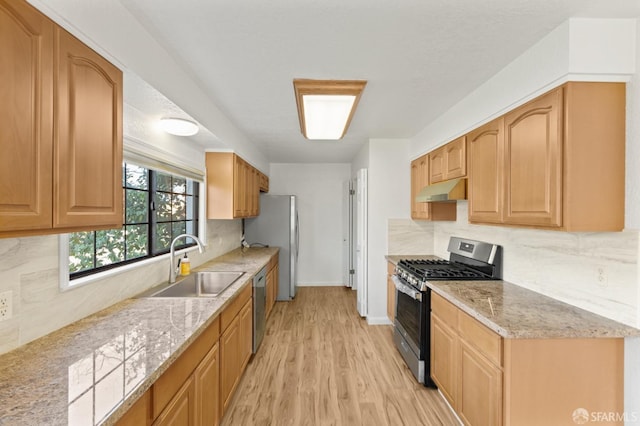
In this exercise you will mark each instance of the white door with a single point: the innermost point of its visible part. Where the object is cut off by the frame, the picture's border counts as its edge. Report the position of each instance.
(347, 232)
(361, 241)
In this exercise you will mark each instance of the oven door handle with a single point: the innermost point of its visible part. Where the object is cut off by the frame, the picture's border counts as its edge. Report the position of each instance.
(406, 289)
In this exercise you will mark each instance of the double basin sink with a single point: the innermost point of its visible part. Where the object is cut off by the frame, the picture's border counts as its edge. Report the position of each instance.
(198, 284)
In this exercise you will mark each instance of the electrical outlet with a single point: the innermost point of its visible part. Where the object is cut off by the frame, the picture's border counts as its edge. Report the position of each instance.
(6, 305)
(601, 274)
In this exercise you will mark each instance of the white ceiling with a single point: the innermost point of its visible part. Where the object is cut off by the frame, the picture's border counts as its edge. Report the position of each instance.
(420, 57)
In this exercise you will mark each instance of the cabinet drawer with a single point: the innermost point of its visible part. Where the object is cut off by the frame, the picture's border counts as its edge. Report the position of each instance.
(477, 335)
(234, 307)
(171, 380)
(446, 311)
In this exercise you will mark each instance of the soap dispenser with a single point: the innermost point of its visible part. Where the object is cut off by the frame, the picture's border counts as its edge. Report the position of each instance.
(185, 265)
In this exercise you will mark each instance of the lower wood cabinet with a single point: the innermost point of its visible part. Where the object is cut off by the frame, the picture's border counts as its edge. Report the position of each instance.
(207, 384)
(236, 344)
(480, 394)
(230, 358)
(198, 386)
(139, 414)
(391, 292)
(272, 284)
(490, 380)
(182, 407)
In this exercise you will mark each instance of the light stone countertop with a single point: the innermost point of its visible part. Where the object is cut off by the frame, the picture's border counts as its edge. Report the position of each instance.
(515, 312)
(92, 371)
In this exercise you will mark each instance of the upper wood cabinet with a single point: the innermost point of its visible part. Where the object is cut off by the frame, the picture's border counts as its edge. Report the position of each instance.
(419, 179)
(556, 162)
(61, 168)
(533, 168)
(448, 161)
(233, 187)
(427, 211)
(486, 172)
(263, 182)
(88, 139)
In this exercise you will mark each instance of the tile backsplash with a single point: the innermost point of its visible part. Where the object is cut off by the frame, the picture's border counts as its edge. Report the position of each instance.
(595, 271)
(30, 269)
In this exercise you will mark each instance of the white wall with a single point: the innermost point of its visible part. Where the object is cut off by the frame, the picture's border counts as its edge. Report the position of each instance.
(388, 195)
(319, 189)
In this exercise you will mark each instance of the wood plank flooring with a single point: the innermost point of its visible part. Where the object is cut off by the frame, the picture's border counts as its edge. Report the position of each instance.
(321, 364)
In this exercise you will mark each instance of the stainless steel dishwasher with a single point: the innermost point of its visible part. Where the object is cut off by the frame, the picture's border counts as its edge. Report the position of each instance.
(259, 302)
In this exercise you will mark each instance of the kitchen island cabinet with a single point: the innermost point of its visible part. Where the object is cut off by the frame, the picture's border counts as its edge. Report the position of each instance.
(62, 162)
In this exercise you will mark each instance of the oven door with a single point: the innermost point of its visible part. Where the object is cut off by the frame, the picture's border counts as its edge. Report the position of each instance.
(410, 311)
(408, 321)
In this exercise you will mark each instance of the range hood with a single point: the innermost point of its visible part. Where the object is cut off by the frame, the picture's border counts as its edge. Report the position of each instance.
(450, 190)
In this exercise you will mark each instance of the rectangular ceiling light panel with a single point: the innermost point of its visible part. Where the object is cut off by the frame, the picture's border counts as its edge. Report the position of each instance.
(325, 107)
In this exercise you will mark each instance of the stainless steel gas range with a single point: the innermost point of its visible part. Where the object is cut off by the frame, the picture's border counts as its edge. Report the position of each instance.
(469, 260)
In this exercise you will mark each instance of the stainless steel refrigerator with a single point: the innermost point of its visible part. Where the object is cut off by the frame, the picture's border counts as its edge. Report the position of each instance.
(277, 226)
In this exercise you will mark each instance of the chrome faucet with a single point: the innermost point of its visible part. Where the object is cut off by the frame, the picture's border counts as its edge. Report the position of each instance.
(172, 268)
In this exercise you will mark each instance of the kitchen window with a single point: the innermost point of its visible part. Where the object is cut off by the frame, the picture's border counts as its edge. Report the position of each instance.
(158, 206)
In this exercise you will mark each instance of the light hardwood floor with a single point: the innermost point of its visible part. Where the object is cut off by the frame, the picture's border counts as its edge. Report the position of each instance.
(321, 364)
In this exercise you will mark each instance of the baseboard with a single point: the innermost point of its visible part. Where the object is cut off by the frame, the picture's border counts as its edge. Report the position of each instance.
(378, 321)
(316, 284)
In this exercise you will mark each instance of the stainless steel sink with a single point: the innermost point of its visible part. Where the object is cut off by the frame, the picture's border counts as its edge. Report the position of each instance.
(200, 284)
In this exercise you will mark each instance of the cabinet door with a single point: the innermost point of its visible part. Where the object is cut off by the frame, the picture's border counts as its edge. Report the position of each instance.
(239, 193)
(444, 361)
(419, 179)
(533, 172)
(88, 139)
(230, 362)
(486, 172)
(391, 299)
(207, 383)
(415, 187)
(437, 165)
(480, 389)
(455, 154)
(270, 291)
(139, 414)
(26, 133)
(182, 408)
(246, 334)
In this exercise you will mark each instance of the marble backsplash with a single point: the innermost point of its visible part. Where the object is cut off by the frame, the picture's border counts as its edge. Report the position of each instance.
(594, 271)
(30, 269)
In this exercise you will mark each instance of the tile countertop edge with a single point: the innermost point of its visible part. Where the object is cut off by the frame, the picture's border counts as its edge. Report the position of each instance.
(96, 326)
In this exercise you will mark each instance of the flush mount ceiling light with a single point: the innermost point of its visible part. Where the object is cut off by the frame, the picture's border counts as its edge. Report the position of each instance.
(179, 126)
(325, 107)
